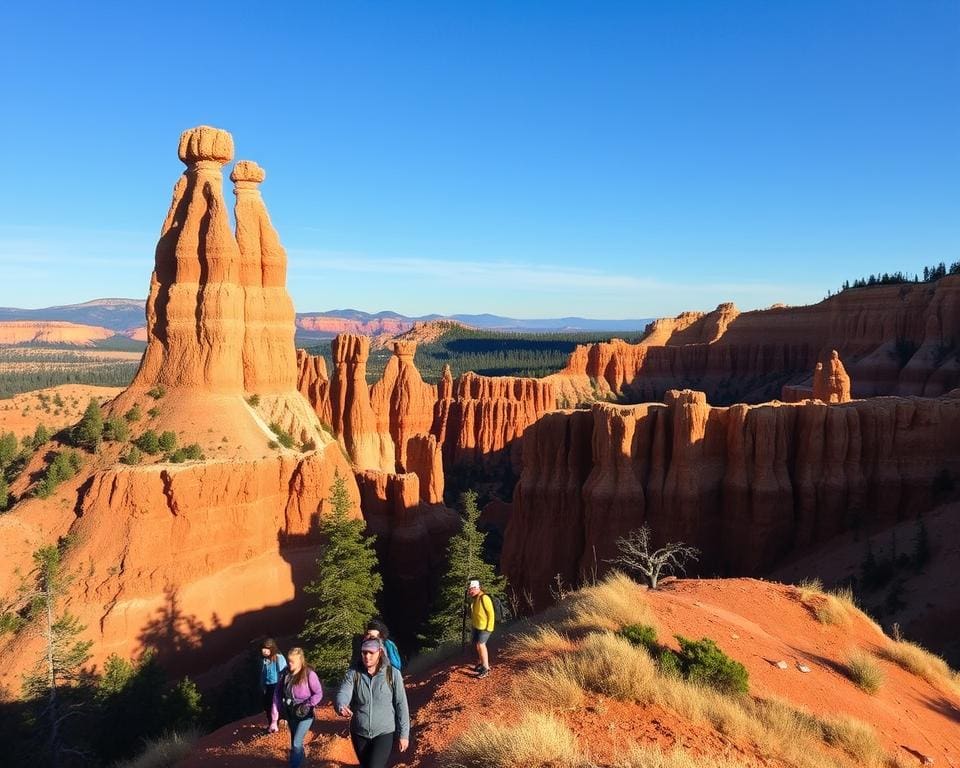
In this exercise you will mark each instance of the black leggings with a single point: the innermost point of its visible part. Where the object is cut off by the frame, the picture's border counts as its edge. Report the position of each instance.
(268, 698)
(372, 753)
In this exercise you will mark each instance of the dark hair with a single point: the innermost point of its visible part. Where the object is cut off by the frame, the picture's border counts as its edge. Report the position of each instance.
(271, 645)
(380, 627)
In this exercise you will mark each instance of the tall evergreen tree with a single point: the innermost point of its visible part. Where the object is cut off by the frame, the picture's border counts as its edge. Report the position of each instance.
(61, 665)
(464, 561)
(89, 432)
(345, 590)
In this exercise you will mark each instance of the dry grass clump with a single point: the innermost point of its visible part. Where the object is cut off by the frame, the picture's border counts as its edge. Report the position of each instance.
(613, 603)
(864, 670)
(920, 662)
(608, 664)
(834, 607)
(164, 752)
(539, 640)
(537, 741)
(551, 687)
(647, 757)
(856, 738)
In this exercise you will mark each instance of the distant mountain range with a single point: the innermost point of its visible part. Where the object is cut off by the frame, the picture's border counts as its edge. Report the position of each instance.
(126, 317)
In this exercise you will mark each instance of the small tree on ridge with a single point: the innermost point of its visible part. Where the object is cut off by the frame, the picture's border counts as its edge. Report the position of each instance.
(636, 555)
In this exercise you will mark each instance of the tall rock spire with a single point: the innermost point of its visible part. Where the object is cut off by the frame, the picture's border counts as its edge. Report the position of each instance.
(269, 354)
(195, 308)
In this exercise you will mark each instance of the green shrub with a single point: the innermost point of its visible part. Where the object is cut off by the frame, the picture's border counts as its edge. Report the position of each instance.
(8, 448)
(168, 441)
(254, 400)
(64, 465)
(133, 414)
(116, 430)
(273, 445)
(40, 435)
(191, 452)
(89, 432)
(133, 456)
(308, 445)
(153, 412)
(701, 661)
(642, 635)
(157, 392)
(148, 442)
(283, 437)
(4, 493)
(669, 663)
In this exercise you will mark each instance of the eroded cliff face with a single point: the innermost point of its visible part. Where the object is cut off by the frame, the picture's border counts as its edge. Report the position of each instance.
(748, 485)
(896, 340)
(467, 420)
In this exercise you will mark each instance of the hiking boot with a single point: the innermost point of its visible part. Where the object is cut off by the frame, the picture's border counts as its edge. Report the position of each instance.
(484, 671)
(478, 668)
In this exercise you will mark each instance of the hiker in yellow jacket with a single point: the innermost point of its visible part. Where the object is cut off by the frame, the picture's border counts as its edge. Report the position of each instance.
(483, 620)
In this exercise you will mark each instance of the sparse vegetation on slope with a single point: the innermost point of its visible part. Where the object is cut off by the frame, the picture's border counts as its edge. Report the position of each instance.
(864, 670)
(920, 662)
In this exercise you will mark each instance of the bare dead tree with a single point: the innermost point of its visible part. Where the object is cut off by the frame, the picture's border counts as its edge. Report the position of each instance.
(636, 555)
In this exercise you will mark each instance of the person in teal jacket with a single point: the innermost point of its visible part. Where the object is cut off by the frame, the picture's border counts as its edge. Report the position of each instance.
(376, 705)
(271, 666)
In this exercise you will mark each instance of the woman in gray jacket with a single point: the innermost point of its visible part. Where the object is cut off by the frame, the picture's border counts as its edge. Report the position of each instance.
(372, 695)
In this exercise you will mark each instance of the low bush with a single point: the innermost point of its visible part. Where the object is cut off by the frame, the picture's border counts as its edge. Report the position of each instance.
(254, 400)
(116, 430)
(133, 414)
(157, 392)
(190, 452)
(164, 752)
(168, 441)
(702, 662)
(148, 442)
(153, 412)
(864, 670)
(133, 456)
(608, 664)
(642, 635)
(64, 465)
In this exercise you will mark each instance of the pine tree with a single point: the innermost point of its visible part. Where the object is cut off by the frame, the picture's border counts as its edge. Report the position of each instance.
(88, 433)
(64, 655)
(464, 561)
(345, 590)
(4, 493)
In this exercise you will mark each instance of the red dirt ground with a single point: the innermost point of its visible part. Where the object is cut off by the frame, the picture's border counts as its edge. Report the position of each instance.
(755, 622)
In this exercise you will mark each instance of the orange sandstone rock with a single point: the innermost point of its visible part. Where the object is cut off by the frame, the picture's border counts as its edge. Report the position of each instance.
(195, 308)
(832, 385)
(748, 485)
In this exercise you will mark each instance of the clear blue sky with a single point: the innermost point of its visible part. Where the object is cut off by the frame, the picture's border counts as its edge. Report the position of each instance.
(524, 158)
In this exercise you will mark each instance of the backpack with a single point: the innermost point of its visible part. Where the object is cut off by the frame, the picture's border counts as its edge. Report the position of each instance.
(388, 673)
(501, 612)
(293, 709)
(393, 653)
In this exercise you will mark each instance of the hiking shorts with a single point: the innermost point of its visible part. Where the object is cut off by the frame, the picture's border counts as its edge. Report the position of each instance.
(480, 636)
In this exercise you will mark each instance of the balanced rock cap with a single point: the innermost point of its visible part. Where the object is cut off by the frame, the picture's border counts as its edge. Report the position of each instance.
(247, 170)
(206, 143)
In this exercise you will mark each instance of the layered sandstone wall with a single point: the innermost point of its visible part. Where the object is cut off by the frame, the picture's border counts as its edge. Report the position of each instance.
(748, 485)
(896, 339)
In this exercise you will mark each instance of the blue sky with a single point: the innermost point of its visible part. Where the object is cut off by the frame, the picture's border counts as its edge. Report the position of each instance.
(531, 159)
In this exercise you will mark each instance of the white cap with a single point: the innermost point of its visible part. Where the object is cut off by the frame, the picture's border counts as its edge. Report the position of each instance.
(473, 584)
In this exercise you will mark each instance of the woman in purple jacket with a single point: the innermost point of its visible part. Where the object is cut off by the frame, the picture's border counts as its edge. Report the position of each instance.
(296, 694)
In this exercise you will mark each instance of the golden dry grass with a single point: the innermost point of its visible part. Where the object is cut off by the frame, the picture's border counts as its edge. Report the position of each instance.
(864, 670)
(551, 687)
(920, 662)
(646, 757)
(164, 752)
(538, 640)
(856, 738)
(612, 604)
(537, 741)
(608, 664)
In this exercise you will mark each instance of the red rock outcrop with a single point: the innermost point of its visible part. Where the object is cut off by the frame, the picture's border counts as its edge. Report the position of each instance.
(352, 416)
(748, 485)
(895, 339)
(831, 384)
(51, 332)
